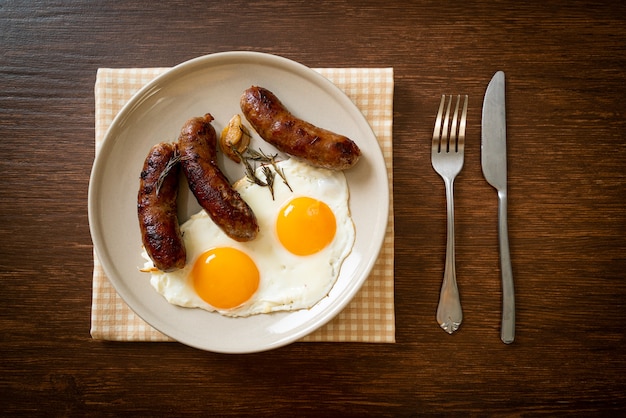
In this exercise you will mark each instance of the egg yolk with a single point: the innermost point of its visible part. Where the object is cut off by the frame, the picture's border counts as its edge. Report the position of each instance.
(225, 277)
(305, 226)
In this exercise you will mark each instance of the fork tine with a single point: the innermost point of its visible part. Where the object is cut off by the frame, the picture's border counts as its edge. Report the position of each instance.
(445, 135)
(461, 140)
(436, 144)
(453, 127)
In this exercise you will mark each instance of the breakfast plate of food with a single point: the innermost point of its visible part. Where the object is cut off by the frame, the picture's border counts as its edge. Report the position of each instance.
(238, 202)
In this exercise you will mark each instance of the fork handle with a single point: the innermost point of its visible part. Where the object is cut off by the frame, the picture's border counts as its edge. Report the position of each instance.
(449, 312)
(507, 330)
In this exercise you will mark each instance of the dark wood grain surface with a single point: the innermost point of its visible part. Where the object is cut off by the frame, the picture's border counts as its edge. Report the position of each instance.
(565, 63)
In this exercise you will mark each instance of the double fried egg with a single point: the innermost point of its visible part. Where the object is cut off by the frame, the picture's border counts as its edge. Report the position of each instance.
(305, 234)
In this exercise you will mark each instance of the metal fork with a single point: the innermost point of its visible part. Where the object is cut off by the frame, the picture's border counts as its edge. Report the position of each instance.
(447, 156)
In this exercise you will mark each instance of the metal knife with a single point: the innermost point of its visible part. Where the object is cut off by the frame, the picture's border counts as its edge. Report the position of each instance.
(493, 159)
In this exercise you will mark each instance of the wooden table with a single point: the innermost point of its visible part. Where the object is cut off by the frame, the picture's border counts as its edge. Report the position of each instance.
(565, 64)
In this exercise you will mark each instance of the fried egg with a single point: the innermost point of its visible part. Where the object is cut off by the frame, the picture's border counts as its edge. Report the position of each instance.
(305, 234)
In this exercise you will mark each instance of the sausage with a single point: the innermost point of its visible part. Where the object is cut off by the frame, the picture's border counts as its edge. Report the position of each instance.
(198, 150)
(276, 125)
(156, 208)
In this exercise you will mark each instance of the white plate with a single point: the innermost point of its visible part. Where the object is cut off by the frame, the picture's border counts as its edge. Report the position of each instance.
(214, 84)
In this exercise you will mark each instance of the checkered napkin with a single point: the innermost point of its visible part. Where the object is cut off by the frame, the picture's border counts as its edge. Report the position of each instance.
(369, 317)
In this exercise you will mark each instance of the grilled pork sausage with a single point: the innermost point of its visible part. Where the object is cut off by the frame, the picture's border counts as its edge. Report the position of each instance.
(276, 125)
(156, 208)
(198, 150)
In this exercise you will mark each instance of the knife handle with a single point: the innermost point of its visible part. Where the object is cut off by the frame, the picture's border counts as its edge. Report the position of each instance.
(507, 330)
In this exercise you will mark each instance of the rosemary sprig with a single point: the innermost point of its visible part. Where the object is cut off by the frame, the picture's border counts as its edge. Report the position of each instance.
(270, 159)
(281, 173)
(250, 170)
(259, 155)
(265, 160)
(175, 159)
(269, 178)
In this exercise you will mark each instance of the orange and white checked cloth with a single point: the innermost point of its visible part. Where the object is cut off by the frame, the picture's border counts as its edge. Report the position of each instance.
(370, 315)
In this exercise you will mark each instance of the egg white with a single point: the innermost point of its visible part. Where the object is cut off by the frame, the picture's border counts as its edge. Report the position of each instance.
(287, 281)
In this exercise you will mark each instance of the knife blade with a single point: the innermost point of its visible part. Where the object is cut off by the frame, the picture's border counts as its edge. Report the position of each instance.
(493, 161)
